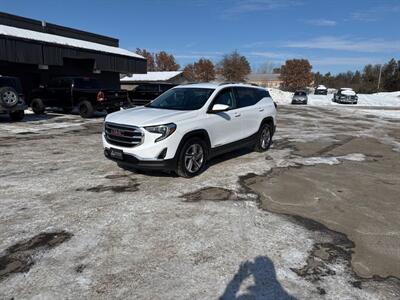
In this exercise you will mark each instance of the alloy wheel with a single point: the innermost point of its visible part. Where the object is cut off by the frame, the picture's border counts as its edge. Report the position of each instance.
(194, 158)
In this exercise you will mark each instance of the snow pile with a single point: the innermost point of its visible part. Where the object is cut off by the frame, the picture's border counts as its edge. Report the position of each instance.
(378, 99)
(280, 97)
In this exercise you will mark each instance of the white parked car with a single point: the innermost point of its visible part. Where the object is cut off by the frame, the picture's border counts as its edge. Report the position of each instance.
(189, 124)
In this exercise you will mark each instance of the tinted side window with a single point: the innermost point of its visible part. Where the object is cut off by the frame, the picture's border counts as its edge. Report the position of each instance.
(225, 97)
(262, 94)
(246, 97)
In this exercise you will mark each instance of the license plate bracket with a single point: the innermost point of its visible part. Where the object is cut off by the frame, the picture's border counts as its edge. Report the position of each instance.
(116, 154)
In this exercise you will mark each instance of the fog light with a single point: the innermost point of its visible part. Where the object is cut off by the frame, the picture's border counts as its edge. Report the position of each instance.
(162, 154)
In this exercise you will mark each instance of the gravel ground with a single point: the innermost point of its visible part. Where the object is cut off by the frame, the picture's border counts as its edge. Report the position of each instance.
(74, 225)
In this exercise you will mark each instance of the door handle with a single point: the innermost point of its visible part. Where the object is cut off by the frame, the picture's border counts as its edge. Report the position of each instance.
(237, 115)
(261, 109)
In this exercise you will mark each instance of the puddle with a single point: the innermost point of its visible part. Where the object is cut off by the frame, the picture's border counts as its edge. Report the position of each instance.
(19, 258)
(210, 194)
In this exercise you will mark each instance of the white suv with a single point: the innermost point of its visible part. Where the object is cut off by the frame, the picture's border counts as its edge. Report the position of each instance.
(189, 124)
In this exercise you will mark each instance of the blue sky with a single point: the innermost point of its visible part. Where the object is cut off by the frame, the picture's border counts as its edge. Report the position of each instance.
(335, 35)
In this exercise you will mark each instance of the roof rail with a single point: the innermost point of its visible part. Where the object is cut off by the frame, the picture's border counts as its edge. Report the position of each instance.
(228, 82)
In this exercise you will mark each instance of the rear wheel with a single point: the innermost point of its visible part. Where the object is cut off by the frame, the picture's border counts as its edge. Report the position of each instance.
(86, 109)
(17, 115)
(192, 158)
(37, 106)
(8, 96)
(264, 138)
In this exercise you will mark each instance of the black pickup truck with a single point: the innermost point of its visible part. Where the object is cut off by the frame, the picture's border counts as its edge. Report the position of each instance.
(84, 93)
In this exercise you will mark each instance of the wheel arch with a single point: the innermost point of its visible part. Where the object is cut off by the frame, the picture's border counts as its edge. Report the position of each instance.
(199, 133)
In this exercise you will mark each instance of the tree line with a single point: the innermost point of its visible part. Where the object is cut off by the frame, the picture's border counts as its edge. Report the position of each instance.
(373, 78)
(294, 74)
(232, 67)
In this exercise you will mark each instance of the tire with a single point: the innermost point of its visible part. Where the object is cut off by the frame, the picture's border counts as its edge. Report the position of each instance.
(38, 106)
(264, 138)
(8, 97)
(86, 109)
(190, 164)
(17, 115)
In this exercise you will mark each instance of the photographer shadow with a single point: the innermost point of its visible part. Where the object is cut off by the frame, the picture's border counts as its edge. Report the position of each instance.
(265, 286)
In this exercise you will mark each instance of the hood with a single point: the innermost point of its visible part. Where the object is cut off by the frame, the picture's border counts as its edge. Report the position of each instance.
(146, 116)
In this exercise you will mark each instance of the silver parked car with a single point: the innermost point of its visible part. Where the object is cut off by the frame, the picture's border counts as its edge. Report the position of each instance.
(300, 97)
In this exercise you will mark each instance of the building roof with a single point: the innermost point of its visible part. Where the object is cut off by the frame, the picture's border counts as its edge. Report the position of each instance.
(263, 77)
(151, 76)
(61, 40)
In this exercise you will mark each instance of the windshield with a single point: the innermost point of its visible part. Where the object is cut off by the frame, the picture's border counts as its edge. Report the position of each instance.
(182, 99)
(300, 94)
(86, 83)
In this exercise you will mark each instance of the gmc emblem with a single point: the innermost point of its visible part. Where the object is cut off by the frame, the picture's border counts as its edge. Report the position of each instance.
(116, 132)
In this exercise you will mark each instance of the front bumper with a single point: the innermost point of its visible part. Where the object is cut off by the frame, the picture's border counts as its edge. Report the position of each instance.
(347, 101)
(131, 161)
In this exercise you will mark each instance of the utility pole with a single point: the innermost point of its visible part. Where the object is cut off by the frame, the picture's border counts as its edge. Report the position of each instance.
(380, 76)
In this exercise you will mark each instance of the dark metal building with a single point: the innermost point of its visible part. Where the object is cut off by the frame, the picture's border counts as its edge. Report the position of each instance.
(36, 51)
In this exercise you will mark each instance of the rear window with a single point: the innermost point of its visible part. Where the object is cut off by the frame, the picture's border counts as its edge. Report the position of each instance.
(249, 96)
(11, 82)
(86, 83)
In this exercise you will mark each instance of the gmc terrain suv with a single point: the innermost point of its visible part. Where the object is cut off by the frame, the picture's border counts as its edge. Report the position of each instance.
(82, 92)
(11, 98)
(189, 124)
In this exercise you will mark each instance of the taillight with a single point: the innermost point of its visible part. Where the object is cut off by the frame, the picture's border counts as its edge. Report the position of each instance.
(100, 96)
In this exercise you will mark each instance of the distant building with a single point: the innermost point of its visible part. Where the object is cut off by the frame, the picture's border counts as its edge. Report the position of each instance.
(265, 80)
(131, 81)
(36, 51)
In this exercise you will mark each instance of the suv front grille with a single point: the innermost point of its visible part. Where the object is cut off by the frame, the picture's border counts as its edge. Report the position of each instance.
(123, 135)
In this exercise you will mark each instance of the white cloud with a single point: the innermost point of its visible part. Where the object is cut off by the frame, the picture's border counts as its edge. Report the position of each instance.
(345, 61)
(321, 22)
(376, 13)
(250, 6)
(347, 44)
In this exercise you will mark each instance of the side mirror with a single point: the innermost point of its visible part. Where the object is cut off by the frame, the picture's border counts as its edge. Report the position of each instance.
(220, 108)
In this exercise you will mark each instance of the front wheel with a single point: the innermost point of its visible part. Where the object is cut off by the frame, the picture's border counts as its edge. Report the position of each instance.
(17, 116)
(38, 106)
(192, 158)
(264, 138)
(86, 109)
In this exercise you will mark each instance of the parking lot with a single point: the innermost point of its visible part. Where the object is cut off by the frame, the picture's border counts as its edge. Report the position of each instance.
(317, 216)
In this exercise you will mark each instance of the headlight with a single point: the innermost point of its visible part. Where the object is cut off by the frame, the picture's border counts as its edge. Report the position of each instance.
(165, 130)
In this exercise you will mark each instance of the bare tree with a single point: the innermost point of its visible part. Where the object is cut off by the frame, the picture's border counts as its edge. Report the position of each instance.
(190, 73)
(234, 67)
(266, 68)
(166, 62)
(151, 66)
(296, 74)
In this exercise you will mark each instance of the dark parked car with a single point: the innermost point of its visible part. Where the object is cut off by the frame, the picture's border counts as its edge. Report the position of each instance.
(321, 90)
(300, 97)
(345, 95)
(84, 93)
(12, 100)
(146, 92)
